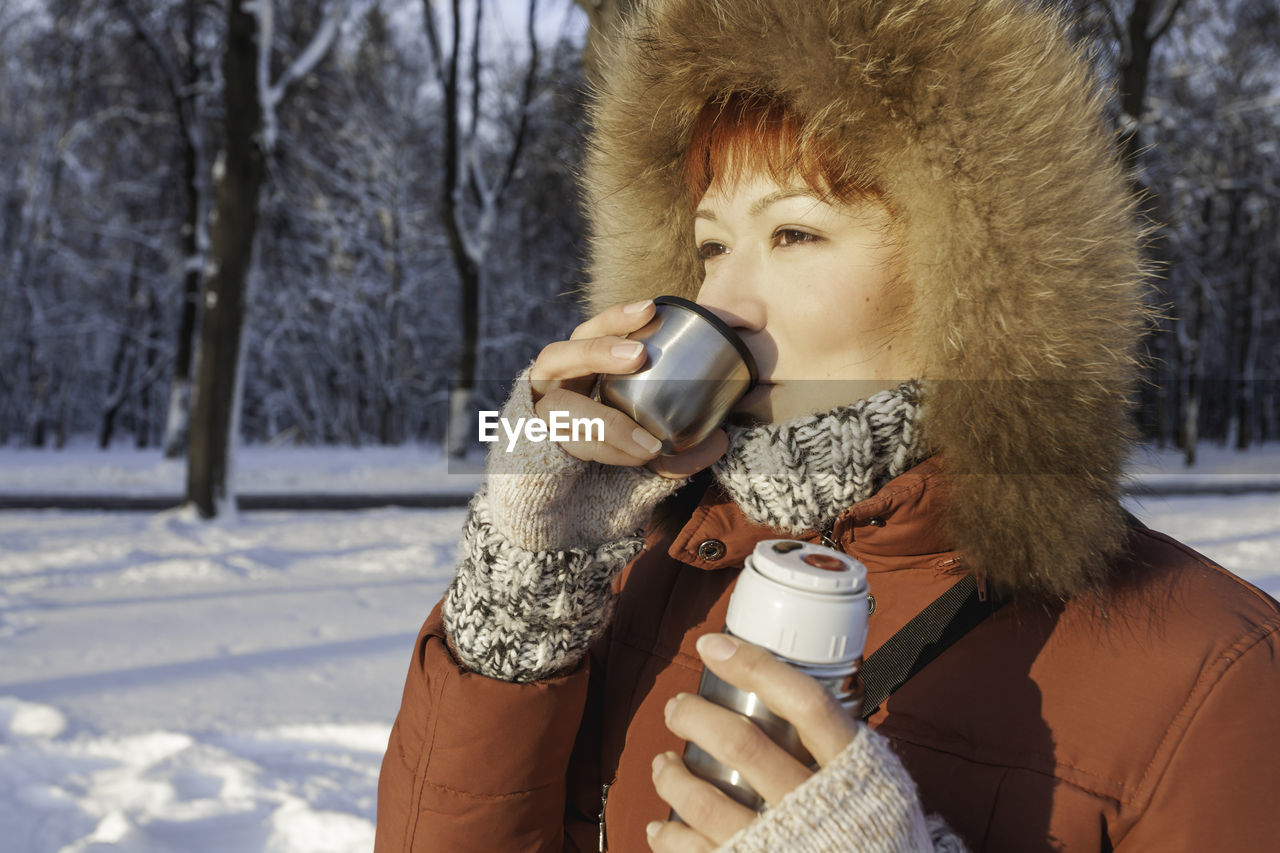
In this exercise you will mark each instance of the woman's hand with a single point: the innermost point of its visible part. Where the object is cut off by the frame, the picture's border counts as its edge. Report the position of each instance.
(707, 816)
(564, 373)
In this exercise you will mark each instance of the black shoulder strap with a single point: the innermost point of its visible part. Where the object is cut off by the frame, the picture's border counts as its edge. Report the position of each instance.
(926, 636)
(952, 615)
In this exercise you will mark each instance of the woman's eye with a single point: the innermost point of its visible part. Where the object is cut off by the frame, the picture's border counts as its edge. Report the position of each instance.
(710, 249)
(793, 236)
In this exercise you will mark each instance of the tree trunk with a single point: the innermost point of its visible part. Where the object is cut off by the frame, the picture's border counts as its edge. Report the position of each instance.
(1193, 378)
(147, 403)
(176, 424)
(1134, 73)
(238, 181)
(389, 431)
(1247, 414)
(182, 86)
(461, 427)
(462, 420)
(122, 365)
(463, 390)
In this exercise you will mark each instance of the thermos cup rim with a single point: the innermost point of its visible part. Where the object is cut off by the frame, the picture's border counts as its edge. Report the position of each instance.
(720, 326)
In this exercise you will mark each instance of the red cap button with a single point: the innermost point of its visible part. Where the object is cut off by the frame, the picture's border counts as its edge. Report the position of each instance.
(825, 562)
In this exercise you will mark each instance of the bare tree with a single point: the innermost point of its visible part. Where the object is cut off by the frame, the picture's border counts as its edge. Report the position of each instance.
(347, 341)
(1135, 27)
(250, 130)
(473, 189)
(180, 71)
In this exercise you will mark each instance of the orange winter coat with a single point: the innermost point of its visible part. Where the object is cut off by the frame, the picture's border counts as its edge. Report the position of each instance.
(1146, 718)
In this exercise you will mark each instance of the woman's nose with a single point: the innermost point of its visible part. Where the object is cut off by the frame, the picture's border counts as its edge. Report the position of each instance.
(732, 319)
(731, 297)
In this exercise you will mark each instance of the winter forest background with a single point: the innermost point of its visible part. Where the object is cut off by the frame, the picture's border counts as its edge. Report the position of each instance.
(386, 189)
(336, 212)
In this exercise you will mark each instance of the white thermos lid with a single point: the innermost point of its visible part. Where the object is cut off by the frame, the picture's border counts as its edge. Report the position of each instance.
(803, 602)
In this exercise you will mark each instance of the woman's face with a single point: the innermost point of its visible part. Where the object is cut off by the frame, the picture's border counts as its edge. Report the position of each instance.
(812, 287)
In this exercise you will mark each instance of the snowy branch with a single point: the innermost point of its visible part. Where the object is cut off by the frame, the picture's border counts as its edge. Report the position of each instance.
(314, 52)
(1170, 14)
(265, 12)
(272, 94)
(168, 72)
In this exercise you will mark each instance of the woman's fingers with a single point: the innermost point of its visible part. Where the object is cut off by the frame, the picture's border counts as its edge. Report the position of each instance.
(564, 372)
(736, 742)
(672, 836)
(597, 346)
(708, 817)
(562, 362)
(618, 320)
(824, 727)
(603, 434)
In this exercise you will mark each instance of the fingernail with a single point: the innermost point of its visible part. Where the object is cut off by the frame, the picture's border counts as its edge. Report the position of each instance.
(637, 307)
(651, 830)
(628, 351)
(646, 441)
(716, 647)
(659, 760)
(670, 707)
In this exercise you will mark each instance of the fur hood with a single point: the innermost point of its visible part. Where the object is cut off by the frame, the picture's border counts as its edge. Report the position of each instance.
(982, 126)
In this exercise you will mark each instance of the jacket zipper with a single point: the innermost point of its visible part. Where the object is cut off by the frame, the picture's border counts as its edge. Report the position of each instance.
(604, 798)
(825, 539)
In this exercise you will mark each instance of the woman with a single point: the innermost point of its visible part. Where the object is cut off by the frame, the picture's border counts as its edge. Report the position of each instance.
(910, 212)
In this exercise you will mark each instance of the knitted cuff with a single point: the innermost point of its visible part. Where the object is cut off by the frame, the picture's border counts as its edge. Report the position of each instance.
(543, 499)
(520, 615)
(863, 797)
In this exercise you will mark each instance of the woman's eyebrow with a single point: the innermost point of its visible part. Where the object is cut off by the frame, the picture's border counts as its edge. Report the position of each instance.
(761, 204)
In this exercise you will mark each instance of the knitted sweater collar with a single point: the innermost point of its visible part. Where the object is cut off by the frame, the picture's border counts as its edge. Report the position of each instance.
(800, 474)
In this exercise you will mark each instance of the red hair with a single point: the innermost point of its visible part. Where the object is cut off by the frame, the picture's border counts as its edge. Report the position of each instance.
(742, 133)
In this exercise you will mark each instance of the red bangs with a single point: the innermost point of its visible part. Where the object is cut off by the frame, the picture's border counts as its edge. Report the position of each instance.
(743, 133)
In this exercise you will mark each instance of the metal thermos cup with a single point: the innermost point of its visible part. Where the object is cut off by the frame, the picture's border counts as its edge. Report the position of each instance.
(808, 605)
(697, 369)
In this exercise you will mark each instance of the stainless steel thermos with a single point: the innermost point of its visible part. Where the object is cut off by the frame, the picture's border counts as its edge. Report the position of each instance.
(807, 604)
(697, 369)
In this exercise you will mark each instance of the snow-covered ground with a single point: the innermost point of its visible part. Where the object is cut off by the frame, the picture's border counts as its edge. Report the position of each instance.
(82, 469)
(171, 686)
(168, 685)
(1219, 467)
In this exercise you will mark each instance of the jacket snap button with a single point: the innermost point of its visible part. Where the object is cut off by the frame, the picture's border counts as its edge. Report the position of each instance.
(711, 549)
(875, 521)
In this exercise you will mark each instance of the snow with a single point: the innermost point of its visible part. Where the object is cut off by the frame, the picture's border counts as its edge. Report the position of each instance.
(1216, 467)
(172, 685)
(82, 469)
(169, 685)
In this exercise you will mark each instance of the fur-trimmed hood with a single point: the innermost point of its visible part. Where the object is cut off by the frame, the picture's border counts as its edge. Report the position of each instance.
(982, 126)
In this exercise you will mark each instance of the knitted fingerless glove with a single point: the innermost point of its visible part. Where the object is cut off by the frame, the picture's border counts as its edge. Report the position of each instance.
(545, 538)
(863, 799)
